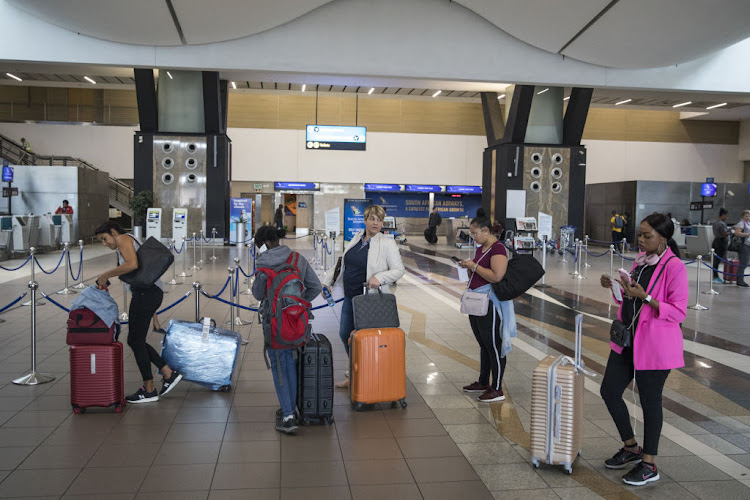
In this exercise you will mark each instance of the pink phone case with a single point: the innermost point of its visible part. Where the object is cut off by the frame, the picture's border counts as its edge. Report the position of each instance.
(625, 276)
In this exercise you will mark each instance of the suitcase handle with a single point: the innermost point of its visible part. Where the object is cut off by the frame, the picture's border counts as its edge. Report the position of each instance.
(365, 288)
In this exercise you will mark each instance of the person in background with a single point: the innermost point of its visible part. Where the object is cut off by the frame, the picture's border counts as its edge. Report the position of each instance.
(143, 306)
(64, 209)
(370, 257)
(26, 145)
(435, 221)
(493, 330)
(278, 217)
(626, 228)
(271, 254)
(720, 242)
(497, 229)
(742, 229)
(657, 345)
(617, 223)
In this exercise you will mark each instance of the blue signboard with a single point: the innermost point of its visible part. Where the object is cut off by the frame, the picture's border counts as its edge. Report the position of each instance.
(402, 204)
(240, 210)
(423, 188)
(354, 216)
(336, 137)
(457, 205)
(708, 189)
(382, 187)
(7, 173)
(295, 186)
(463, 189)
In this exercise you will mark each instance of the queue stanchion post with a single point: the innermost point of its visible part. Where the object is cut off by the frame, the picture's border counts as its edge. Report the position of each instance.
(195, 266)
(325, 254)
(543, 285)
(711, 290)
(66, 257)
(611, 261)
(124, 315)
(197, 291)
(213, 245)
(333, 249)
(250, 276)
(236, 296)
(201, 262)
(575, 259)
(32, 252)
(697, 306)
(173, 281)
(586, 246)
(230, 323)
(33, 378)
(581, 269)
(184, 273)
(80, 284)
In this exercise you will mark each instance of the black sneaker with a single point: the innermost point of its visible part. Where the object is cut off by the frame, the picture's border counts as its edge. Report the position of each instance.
(169, 383)
(141, 396)
(624, 457)
(288, 426)
(641, 474)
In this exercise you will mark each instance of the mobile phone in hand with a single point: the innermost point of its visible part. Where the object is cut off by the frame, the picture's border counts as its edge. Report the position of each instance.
(625, 276)
(455, 259)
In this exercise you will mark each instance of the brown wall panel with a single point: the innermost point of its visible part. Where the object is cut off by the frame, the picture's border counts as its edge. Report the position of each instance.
(329, 110)
(296, 111)
(428, 117)
(380, 115)
(253, 110)
(470, 119)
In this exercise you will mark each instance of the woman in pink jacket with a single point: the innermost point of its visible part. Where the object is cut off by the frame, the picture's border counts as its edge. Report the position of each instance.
(655, 304)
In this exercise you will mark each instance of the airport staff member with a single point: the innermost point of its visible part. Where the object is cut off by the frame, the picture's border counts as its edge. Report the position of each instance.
(64, 209)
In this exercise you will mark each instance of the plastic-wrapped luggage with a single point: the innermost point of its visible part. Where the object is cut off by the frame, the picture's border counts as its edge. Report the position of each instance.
(203, 353)
(315, 381)
(377, 366)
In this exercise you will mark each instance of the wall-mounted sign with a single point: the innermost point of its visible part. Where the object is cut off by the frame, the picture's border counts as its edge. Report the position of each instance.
(301, 204)
(457, 205)
(464, 189)
(336, 137)
(383, 187)
(402, 204)
(354, 216)
(698, 205)
(8, 192)
(296, 186)
(423, 188)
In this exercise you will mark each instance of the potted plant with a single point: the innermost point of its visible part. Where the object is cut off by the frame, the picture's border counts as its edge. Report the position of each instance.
(140, 203)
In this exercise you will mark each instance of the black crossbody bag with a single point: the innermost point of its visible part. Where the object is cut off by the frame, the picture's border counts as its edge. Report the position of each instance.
(620, 333)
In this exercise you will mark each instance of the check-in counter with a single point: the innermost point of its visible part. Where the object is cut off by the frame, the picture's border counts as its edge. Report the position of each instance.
(451, 229)
(699, 241)
(47, 231)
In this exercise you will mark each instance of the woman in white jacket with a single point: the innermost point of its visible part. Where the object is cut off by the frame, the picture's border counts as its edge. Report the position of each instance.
(369, 257)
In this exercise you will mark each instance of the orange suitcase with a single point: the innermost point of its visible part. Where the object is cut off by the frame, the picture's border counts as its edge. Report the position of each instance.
(377, 366)
(557, 387)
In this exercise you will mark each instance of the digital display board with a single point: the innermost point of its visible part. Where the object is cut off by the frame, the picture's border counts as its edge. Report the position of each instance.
(383, 187)
(296, 186)
(7, 173)
(708, 189)
(423, 188)
(463, 189)
(336, 137)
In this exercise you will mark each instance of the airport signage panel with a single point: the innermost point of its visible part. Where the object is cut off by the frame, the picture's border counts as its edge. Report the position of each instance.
(7, 173)
(336, 137)
(423, 188)
(463, 189)
(383, 187)
(296, 186)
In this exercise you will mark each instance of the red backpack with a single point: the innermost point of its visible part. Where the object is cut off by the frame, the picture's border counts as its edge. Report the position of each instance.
(284, 314)
(86, 328)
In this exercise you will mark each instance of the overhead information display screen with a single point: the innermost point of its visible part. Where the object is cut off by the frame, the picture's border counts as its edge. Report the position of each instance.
(336, 137)
(423, 188)
(464, 189)
(383, 187)
(296, 186)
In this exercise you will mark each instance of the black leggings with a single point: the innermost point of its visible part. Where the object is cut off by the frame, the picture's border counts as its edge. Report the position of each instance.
(617, 377)
(490, 343)
(143, 305)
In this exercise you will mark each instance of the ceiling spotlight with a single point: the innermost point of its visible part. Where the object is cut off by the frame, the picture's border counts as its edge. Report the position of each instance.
(682, 104)
(437, 93)
(14, 77)
(169, 75)
(89, 79)
(566, 98)
(710, 107)
(234, 85)
(371, 91)
(542, 91)
(304, 86)
(623, 102)
(501, 96)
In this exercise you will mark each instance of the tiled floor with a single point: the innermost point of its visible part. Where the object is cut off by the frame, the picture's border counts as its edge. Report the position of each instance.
(198, 444)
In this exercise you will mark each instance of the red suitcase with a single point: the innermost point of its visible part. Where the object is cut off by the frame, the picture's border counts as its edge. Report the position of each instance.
(731, 267)
(96, 377)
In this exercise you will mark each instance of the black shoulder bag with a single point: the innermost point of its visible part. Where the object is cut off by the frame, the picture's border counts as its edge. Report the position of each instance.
(153, 260)
(621, 334)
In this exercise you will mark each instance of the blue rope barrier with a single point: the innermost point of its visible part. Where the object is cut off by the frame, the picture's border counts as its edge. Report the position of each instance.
(715, 270)
(243, 272)
(208, 240)
(226, 284)
(297, 237)
(55, 302)
(595, 254)
(322, 306)
(56, 267)
(325, 246)
(178, 301)
(80, 266)
(182, 247)
(13, 303)
(17, 268)
(688, 262)
(621, 255)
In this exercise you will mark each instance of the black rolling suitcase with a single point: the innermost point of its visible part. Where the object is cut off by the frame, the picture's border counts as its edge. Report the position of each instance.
(430, 234)
(315, 382)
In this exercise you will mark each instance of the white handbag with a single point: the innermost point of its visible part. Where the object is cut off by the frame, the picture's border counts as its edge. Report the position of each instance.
(475, 303)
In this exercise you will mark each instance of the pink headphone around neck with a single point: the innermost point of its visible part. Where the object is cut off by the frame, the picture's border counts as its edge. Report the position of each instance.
(650, 259)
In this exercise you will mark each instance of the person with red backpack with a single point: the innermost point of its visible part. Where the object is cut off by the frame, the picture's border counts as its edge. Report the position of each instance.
(285, 284)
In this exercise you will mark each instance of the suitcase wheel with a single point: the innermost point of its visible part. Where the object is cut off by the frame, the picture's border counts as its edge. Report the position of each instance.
(78, 410)
(358, 406)
(118, 409)
(403, 403)
(224, 388)
(328, 420)
(535, 462)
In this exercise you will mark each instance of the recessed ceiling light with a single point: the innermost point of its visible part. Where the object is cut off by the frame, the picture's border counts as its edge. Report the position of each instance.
(89, 79)
(169, 75)
(542, 91)
(565, 99)
(437, 93)
(717, 105)
(14, 77)
(623, 102)
(234, 85)
(371, 91)
(501, 96)
(304, 86)
(682, 104)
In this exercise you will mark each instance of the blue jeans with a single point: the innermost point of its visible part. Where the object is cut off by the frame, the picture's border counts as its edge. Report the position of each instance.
(284, 371)
(347, 322)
